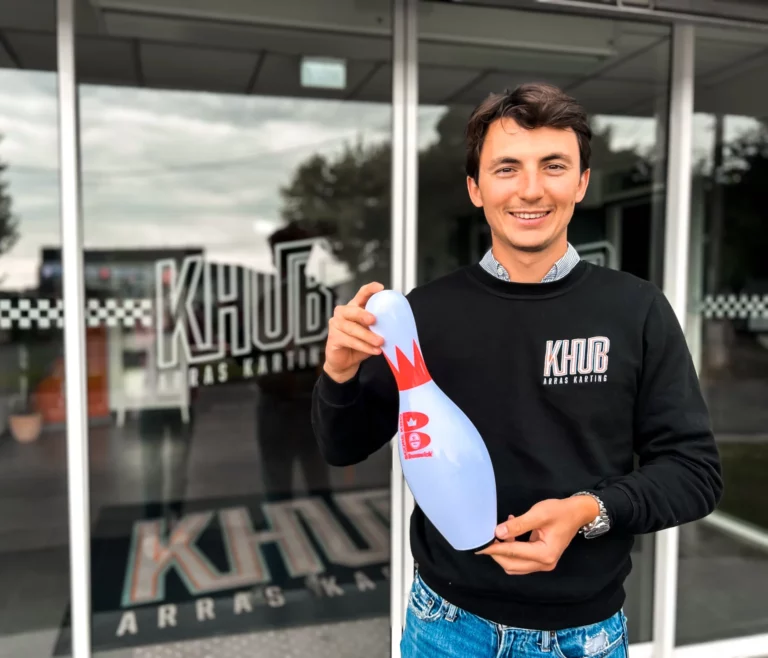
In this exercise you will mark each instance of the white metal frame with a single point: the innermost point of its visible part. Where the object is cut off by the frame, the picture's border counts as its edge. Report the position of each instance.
(675, 285)
(677, 232)
(74, 335)
(405, 155)
(398, 540)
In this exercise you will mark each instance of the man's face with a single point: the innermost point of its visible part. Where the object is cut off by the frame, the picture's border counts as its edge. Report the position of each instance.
(528, 184)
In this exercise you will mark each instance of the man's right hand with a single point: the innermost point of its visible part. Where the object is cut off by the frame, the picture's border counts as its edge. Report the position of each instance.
(350, 341)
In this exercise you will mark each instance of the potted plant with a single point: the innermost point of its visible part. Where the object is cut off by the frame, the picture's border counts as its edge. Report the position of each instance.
(25, 420)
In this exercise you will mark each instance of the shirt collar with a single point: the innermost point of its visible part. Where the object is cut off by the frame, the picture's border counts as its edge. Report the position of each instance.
(559, 270)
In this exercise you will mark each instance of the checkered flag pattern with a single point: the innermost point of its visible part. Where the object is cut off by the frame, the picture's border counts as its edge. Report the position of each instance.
(119, 312)
(49, 313)
(735, 306)
(29, 313)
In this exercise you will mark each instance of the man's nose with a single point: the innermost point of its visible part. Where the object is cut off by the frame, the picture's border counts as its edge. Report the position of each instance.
(531, 187)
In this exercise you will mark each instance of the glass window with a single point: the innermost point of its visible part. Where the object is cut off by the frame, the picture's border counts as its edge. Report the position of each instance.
(724, 558)
(34, 531)
(619, 72)
(236, 183)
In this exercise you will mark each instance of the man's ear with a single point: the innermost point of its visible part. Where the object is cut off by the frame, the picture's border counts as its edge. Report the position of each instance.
(583, 184)
(474, 192)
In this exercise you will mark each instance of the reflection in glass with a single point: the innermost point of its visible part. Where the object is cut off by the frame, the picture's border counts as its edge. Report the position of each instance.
(235, 188)
(34, 532)
(724, 558)
(619, 72)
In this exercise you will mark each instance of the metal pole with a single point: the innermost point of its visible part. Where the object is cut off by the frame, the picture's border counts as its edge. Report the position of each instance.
(677, 234)
(410, 265)
(396, 611)
(404, 270)
(74, 336)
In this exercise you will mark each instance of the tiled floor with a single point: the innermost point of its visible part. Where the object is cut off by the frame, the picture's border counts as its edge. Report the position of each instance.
(367, 638)
(722, 582)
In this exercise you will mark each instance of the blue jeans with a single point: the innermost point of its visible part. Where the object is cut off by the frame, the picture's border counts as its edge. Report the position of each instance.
(436, 628)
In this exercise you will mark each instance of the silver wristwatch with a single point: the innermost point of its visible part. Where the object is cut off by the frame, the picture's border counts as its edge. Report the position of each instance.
(601, 523)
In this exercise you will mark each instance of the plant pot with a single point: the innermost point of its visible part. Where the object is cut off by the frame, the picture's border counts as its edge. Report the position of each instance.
(25, 428)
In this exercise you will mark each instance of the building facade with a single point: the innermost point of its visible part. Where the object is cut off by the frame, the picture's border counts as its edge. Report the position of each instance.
(199, 183)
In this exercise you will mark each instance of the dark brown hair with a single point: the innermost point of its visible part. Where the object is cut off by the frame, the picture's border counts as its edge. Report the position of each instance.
(533, 105)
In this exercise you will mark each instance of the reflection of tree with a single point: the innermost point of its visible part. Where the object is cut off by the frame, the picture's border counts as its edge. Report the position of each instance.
(349, 195)
(348, 198)
(744, 196)
(628, 168)
(9, 233)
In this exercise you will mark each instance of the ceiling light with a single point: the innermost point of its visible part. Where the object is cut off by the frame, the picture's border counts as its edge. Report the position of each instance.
(323, 72)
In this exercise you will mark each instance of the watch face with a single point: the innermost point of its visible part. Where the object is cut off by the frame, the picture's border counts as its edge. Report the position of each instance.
(601, 529)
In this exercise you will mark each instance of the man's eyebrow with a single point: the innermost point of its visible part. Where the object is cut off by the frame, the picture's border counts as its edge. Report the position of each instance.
(556, 156)
(509, 160)
(504, 159)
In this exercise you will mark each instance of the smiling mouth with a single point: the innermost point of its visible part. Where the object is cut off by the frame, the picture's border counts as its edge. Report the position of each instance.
(530, 215)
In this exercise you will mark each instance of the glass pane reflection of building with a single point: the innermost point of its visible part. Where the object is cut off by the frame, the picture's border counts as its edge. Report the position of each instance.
(34, 527)
(235, 189)
(619, 72)
(233, 162)
(724, 558)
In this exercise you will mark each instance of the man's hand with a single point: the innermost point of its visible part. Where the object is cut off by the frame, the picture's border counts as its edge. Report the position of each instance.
(350, 341)
(552, 523)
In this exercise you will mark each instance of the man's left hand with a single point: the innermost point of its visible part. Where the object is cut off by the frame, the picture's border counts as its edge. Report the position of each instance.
(552, 523)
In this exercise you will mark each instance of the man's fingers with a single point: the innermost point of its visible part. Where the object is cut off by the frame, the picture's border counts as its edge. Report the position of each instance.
(354, 314)
(354, 330)
(518, 549)
(365, 293)
(519, 525)
(517, 567)
(523, 553)
(536, 551)
(345, 340)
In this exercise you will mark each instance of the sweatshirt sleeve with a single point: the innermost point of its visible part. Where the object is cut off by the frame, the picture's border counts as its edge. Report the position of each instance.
(679, 477)
(353, 420)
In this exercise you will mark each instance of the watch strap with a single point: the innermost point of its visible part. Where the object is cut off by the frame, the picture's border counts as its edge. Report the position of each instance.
(601, 522)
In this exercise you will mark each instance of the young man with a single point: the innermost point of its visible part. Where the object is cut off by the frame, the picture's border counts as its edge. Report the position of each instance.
(568, 370)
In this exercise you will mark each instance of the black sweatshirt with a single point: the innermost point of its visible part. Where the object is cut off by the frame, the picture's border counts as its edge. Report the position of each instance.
(565, 381)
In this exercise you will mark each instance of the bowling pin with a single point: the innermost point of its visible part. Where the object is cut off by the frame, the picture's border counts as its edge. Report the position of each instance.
(444, 459)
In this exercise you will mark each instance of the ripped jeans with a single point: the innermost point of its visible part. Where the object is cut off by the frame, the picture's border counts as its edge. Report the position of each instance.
(436, 628)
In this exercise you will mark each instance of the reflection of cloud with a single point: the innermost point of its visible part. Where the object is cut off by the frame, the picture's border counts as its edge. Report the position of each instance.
(203, 167)
(628, 133)
(263, 227)
(173, 168)
(166, 168)
(29, 146)
(428, 117)
(259, 260)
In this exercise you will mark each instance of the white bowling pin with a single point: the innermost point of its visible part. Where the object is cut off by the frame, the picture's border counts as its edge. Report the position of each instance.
(445, 461)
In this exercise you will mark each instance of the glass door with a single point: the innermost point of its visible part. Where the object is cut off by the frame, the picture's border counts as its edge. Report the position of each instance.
(618, 70)
(34, 522)
(236, 187)
(724, 557)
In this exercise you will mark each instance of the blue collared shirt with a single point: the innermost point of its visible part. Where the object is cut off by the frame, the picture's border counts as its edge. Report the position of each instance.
(560, 269)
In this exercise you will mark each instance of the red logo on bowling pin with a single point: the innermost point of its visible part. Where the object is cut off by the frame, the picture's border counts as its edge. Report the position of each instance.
(414, 441)
(409, 374)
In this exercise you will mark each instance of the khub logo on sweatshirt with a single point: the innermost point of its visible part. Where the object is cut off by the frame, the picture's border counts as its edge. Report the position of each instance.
(576, 360)
(413, 440)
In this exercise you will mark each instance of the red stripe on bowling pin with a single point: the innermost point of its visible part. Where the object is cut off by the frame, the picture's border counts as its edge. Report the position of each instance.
(407, 374)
